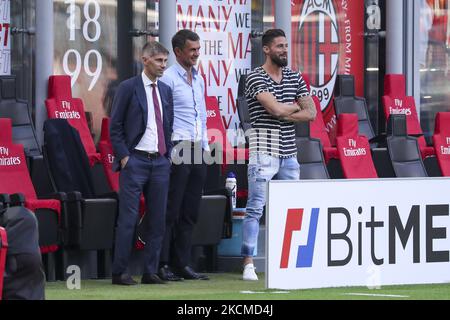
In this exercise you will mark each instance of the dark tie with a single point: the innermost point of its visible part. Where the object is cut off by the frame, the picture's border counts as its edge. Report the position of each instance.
(159, 123)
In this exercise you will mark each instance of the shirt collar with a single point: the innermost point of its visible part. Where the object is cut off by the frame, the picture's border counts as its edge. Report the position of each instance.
(182, 71)
(147, 81)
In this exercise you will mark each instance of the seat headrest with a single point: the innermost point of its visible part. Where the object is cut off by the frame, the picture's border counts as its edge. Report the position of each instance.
(347, 124)
(302, 129)
(59, 87)
(308, 83)
(394, 85)
(8, 87)
(241, 85)
(345, 86)
(442, 123)
(6, 130)
(397, 125)
(104, 133)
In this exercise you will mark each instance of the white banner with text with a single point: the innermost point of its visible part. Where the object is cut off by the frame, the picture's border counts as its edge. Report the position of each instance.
(224, 28)
(357, 233)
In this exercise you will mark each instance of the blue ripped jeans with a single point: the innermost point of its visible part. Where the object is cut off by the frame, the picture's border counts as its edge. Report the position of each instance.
(261, 169)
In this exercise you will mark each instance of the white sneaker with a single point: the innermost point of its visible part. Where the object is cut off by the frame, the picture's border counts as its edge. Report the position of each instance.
(249, 273)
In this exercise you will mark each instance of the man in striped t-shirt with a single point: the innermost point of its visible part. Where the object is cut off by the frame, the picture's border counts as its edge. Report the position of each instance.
(276, 97)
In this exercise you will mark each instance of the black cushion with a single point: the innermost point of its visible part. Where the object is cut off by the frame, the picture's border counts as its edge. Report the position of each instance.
(310, 158)
(397, 125)
(346, 102)
(209, 226)
(404, 150)
(8, 87)
(345, 86)
(302, 129)
(18, 111)
(241, 86)
(68, 161)
(244, 116)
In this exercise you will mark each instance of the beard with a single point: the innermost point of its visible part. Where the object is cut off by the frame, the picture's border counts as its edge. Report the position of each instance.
(279, 61)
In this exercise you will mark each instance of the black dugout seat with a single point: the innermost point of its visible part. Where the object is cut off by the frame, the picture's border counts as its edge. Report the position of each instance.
(309, 154)
(91, 217)
(242, 107)
(345, 101)
(17, 110)
(404, 150)
(209, 229)
(23, 131)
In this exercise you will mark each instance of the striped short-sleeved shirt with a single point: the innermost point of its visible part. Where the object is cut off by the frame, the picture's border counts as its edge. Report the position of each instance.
(270, 135)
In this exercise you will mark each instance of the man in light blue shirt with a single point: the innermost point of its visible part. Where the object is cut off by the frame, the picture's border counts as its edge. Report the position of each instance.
(188, 174)
(190, 111)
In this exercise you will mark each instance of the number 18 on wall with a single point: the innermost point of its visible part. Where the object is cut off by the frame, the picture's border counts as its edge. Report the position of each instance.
(73, 63)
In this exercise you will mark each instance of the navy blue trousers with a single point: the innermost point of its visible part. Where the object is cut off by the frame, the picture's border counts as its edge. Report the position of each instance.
(150, 177)
(185, 193)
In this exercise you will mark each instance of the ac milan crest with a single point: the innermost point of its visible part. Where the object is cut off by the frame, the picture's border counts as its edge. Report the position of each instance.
(319, 38)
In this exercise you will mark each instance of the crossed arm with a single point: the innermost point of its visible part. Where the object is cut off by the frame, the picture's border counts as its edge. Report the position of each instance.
(307, 110)
(303, 110)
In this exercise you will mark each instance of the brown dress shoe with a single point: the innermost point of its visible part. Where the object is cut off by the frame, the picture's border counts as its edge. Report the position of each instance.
(123, 279)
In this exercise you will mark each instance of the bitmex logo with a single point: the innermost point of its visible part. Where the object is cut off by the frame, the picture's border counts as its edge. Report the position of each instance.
(305, 253)
(362, 234)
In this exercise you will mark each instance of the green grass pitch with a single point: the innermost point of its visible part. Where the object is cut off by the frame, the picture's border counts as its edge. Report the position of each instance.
(229, 286)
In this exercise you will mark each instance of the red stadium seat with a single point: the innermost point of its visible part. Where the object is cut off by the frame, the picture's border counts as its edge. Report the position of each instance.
(107, 155)
(395, 101)
(318, 130)
(15, 179)
(441, 141)
(61, 105)
(354, 149)
(218, 135)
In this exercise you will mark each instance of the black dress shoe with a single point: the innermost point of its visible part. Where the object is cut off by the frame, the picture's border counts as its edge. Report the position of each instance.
(123, 279)
(166, 274)
(153, 278)
(189, 274)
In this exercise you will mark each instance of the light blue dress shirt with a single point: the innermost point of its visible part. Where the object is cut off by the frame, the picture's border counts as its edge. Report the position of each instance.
(189, 106)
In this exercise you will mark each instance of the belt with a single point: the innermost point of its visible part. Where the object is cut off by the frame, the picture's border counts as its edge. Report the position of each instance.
(187, 143)
(150, 155)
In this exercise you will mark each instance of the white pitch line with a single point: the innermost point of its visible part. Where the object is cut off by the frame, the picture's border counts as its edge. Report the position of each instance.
(375, 295)
(259, 292)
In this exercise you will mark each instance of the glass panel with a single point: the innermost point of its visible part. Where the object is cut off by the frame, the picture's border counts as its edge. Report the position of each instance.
(145, 18)
(372, 44)
(263, 18)
(22, 48)
(140, 23)
(86, 49)
(434, 62)
(152, 15)
(5, 39)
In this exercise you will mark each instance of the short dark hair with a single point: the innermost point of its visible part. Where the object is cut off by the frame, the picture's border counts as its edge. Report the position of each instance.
(154, 47)
(180, 38)
(271, 34)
